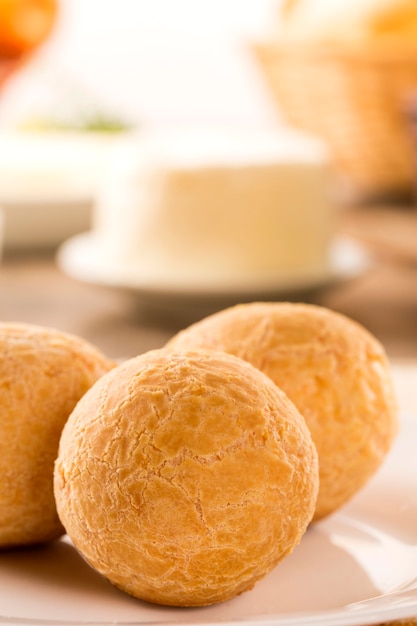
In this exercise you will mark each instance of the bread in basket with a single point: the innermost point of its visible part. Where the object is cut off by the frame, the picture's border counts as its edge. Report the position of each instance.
(349, 76)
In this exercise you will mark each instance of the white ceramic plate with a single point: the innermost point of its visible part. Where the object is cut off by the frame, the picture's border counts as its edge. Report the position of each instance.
(357, 567)
(82, 258)
(48, 181)
(44, 224)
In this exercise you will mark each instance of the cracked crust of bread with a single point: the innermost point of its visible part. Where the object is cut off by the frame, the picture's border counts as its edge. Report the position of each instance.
(333, 369)
(43, 374)
(185, 477)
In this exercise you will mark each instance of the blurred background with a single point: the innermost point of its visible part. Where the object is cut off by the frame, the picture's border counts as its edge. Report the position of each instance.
(81, 79)
(159, 62)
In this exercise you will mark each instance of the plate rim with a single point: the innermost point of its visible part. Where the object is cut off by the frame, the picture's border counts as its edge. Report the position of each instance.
(81, 258)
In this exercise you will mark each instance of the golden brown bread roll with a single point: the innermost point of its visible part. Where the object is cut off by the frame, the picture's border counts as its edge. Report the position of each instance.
(352, 20)
(43, 373)
(185, 477)
(395, 17)
(334, 371)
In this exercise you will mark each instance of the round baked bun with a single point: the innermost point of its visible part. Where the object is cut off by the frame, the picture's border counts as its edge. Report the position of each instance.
(43, 373)
(334, 371)
(184, 478)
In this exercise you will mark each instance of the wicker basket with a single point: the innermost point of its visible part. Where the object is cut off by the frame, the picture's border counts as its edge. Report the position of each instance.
(356, 99)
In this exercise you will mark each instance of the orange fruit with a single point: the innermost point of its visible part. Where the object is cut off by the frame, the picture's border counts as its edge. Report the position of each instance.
(25, 24)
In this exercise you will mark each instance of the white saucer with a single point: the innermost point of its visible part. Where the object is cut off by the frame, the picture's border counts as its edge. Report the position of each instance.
(82, 258)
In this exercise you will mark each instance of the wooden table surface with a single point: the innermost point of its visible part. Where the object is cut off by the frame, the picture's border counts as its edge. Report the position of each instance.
(383, 298)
